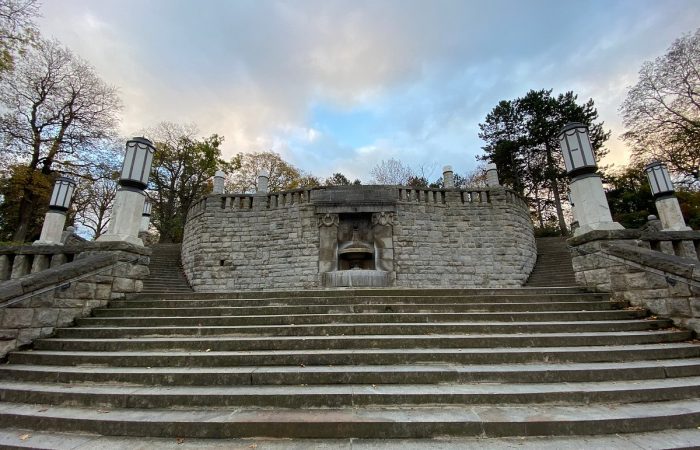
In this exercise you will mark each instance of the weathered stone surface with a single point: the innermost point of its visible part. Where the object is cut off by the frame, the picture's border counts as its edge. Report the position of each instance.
(45, 317)
(423, 238)
(17, 317)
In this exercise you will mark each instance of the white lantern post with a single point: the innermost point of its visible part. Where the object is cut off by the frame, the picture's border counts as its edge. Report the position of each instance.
(592, 210)
(664, 197)
(55, 218)
(128, 205)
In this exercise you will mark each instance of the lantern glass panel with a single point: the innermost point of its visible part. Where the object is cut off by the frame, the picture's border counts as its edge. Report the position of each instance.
(147, 208)
(659, 179)
(62, 193)
(137, 163)
(576, 149)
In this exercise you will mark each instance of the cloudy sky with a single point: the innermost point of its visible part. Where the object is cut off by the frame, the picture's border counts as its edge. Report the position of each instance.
(340, 85)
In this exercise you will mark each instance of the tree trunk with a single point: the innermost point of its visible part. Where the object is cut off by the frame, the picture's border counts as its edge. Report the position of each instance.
(551, 168)
(24, 216)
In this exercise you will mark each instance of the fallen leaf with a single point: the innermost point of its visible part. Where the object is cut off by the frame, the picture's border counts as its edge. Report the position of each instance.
(207, 350)
(43, 409)
(24, 437)
(180, 440)
(103, 411)
(253, 446)
(302, 365)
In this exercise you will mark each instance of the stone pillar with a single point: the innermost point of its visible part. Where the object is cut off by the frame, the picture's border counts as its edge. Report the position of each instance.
(670, 214)
(20, 266)
(592, 210)
(218, 182)
(126, 216)
(41, 262)
(5, 267)
(52, 229)
(382, 228)
(263, 180)
(328, 242)
(448, 177)
(492, 175)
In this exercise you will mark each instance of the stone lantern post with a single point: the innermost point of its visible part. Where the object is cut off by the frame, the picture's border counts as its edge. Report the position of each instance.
(218, 182)
(55, 218)
(492, 175)
(666, 201)
(592, 210)
(128, 205)
(448, 177)
(263, 180)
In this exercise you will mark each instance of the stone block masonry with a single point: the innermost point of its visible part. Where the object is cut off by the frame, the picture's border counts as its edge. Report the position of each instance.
(434, 237)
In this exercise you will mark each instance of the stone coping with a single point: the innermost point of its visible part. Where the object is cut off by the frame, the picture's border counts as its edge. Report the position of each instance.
(656, 260)
(91, 246)
(55, 275)
(633, 234)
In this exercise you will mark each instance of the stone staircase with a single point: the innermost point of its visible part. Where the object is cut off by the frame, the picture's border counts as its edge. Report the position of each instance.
(374, 363)
(166, 271)
(553, 267)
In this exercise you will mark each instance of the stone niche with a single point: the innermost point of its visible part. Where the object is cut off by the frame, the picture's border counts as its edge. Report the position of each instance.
(356, 240)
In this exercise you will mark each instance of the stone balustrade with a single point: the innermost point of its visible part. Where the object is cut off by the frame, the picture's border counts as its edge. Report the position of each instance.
(651, 269)
(76, 279)
(17, 261)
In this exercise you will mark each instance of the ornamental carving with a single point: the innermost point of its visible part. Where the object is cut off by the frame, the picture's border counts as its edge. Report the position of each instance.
(328, 220)
(384, 218)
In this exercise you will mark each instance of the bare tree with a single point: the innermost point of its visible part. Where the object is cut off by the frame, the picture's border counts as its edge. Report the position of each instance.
(56, 113)
(392, 172)
(94, 199)
(662, 111)
(17, 29)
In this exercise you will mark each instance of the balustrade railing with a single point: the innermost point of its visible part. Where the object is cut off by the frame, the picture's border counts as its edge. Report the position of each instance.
(19, 260)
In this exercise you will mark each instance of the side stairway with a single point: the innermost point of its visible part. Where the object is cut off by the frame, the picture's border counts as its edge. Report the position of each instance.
(553, 267)
(375, 363)
(166, 271)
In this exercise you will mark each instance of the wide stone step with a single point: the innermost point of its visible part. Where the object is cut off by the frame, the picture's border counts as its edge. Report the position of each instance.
(351, 309)
(582, 354)
(368, 375)
(299, 319)
(339, 396)
(359, 329)
(682, 438)
(485, 421)
(336, 300)
(366, 292)
(238, 343)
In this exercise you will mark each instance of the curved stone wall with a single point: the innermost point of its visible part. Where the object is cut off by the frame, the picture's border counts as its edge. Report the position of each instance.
(422, 237)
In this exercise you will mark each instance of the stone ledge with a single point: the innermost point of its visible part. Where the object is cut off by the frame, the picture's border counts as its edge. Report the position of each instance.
(75, 248)
(656, 260)
(54, 276)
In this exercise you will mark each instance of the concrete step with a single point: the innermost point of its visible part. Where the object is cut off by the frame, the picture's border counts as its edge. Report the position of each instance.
(350, 395)
(522, 355)
(485, 421)
(352, 309)
(360, 299)
(448, 341)
(360, 329)
(345, 292)
(682, 438)
(351, 374)
(305, 319)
